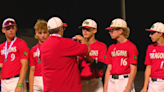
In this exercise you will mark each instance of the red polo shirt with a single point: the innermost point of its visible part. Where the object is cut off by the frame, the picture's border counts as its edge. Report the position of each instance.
(59, 62)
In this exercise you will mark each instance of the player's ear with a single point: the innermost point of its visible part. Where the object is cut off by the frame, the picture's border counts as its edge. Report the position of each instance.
(3, 30)
(35, 32)
(94, 30)
(61, 28)
(16, 28)
(120, 31)
(161, 34)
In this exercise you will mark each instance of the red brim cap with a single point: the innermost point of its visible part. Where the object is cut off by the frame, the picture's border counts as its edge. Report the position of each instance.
(64, 24)
(84, 27)
(150, 30)
(108, 28)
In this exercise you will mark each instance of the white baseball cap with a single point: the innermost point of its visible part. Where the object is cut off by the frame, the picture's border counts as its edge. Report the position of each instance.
(158, 26)
(117, 23)
(55, 22)
(89, 23)
(8, 22)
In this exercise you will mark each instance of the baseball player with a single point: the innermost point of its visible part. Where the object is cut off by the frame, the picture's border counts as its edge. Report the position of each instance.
(58, 56)
(35, 76)
(154, 73)
(121, 59)
(91, 65)
(13, 59)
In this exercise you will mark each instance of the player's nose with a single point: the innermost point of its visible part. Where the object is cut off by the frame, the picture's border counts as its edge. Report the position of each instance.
(150, 35)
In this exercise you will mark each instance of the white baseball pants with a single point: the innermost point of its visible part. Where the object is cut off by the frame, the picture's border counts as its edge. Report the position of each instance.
(156, 86)
(9, 85)
(38, 84)
(118, 85)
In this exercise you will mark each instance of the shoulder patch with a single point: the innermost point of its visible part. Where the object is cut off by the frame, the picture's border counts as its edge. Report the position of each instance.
(104, 56)
(25, 53)
(135, 57)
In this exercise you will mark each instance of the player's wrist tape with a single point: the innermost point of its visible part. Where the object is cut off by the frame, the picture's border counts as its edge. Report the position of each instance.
(19, 84)
(95, 61)
(98, 64)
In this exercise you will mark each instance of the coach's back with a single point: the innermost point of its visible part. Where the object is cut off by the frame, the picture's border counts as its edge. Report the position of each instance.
(60, 68)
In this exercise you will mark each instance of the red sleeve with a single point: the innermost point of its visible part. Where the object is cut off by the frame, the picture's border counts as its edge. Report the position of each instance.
(24, 50)
(147, 58)
(75, 49)
(2, 52)
(133, 55)
(32, 59)
(108, 56)
(102, 54)
(1, 57)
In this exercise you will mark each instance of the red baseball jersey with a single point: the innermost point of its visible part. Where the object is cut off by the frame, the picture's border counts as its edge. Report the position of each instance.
(121, 55)
(34, 60)
(98, 52)
(60, 67)
(12, 66)
(155, 58)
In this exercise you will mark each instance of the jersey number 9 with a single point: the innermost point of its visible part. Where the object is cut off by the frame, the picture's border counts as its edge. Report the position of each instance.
(12, 57)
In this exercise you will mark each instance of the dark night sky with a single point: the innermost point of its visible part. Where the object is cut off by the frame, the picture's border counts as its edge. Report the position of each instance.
(140, 14)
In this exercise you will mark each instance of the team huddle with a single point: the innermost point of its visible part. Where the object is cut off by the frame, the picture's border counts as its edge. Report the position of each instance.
(59, 64)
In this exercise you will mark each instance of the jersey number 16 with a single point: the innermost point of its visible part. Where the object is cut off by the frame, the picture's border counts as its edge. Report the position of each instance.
(123, 62)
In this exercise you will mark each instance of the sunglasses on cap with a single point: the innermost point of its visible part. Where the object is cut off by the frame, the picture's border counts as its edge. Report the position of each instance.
(7, 23)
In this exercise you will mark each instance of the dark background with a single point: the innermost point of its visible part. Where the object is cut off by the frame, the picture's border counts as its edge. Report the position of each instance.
(140, 14)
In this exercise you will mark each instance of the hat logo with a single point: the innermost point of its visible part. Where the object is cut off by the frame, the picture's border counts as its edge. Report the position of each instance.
(111, 23)
(49, 27)
(86, 22)
(152, 26)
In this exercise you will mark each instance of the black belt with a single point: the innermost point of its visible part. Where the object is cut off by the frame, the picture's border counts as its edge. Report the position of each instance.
(11, 77)
(117, 76)
(155, 79)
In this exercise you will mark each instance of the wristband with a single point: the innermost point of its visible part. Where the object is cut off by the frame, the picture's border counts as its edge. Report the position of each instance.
(95, 61)
(19, 84)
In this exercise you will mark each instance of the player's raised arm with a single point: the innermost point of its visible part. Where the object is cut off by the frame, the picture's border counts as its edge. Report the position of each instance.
(91, 64)
(100, 61)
